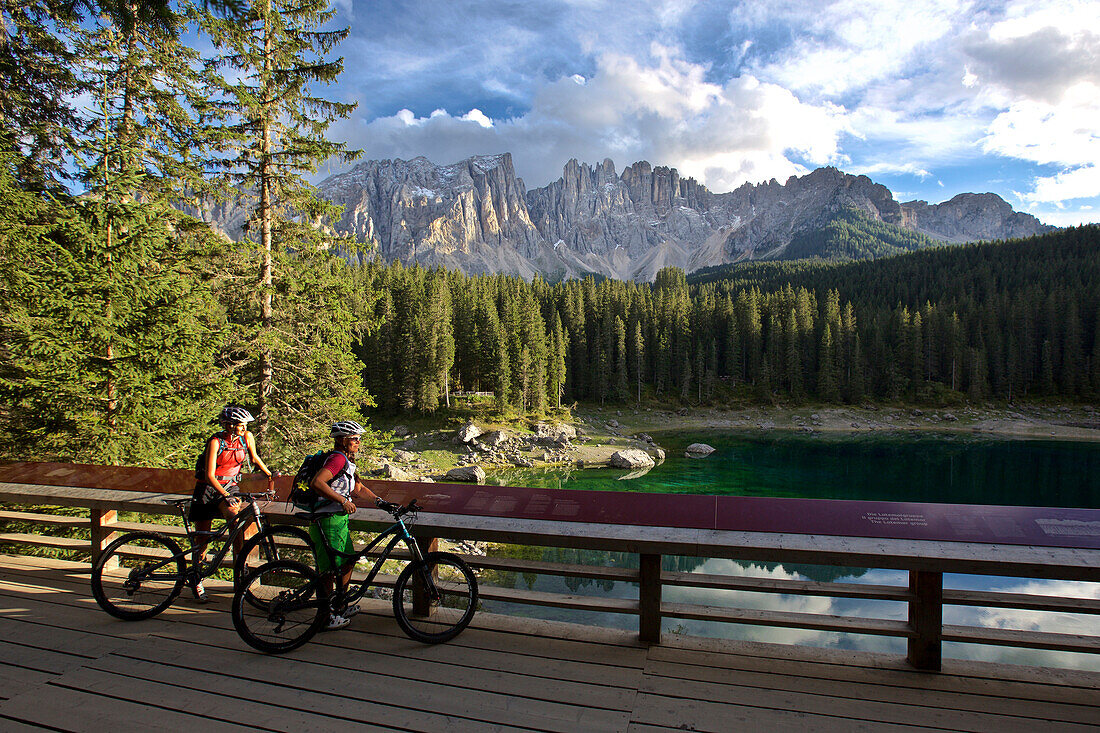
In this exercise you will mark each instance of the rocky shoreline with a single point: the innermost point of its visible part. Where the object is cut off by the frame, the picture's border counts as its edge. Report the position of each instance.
(617, 437)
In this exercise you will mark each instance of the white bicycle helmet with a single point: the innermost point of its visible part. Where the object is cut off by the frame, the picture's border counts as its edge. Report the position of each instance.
(232, 413)
(346, 429)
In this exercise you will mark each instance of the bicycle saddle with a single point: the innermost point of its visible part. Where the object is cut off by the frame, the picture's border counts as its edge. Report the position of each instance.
(180, 503)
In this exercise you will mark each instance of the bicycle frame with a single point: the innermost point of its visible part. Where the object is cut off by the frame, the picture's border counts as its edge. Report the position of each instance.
(397, 532)
(232, 527)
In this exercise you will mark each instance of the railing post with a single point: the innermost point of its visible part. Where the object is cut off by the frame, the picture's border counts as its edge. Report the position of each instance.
(102, 518)
(926, 619)
(649, 599)
(421, 604)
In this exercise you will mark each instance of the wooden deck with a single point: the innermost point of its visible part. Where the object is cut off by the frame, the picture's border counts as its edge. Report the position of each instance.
(66, 665)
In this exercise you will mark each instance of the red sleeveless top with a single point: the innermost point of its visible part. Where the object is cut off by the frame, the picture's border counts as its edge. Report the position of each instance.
(231, 455)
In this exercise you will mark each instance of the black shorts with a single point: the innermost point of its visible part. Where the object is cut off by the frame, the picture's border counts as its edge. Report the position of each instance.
(206, 502)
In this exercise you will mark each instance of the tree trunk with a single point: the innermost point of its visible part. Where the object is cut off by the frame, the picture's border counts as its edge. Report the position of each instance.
(267, 371)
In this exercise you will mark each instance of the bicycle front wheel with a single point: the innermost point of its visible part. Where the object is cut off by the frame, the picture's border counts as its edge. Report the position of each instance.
(277, 542)
(138, 575)
(288, 606)
(434, 600)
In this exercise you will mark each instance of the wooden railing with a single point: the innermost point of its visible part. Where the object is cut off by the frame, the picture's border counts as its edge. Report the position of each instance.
(925, 561)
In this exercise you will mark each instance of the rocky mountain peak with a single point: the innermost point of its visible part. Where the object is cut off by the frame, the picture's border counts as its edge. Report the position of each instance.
(970, 216)
(477, 216)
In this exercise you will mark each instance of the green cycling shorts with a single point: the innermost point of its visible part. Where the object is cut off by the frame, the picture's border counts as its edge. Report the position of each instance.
(336, 531)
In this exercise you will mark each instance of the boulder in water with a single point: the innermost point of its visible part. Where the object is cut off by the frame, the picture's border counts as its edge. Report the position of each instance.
(630, 458)
(698, 450)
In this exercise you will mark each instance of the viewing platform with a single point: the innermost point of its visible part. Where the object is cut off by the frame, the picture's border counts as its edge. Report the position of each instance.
(68, 666)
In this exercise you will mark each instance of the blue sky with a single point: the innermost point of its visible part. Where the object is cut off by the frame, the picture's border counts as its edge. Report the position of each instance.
(929, 97)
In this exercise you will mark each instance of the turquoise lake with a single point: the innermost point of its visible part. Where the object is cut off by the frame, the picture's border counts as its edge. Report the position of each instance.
(948, 468)
(941, 468)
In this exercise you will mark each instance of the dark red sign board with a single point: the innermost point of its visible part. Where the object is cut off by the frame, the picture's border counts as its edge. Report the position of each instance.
(1040, 526)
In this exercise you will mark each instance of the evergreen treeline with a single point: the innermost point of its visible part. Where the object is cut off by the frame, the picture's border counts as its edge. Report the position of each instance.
(125, 325)
(852, 235)
(998, 320)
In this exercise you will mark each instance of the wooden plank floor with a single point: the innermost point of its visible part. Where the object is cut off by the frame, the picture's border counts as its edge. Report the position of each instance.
(66, 665)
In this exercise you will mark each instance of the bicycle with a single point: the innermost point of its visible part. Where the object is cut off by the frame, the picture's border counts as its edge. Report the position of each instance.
(141, 573)
(434, 596)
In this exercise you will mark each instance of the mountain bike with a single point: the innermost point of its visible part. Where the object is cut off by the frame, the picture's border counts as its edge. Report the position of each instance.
(141, 573)
(434, 596)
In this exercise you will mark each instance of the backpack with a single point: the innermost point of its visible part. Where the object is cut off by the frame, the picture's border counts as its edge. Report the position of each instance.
(301, 495)
(223, 444)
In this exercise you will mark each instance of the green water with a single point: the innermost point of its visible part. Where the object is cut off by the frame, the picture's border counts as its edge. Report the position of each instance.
(945, 468)
(951, 468)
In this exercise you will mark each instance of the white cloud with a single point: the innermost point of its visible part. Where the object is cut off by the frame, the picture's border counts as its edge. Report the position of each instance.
(850, 44)
(739, 90)
(1078, 183)
(476, 115)
(661, 109)
(1066, 133)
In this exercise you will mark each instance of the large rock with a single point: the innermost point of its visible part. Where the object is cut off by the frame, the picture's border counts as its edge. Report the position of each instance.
(631, 458)
(493, 437)
(404, 456)
(471, 474)
(555, 432)
(698, 450)
(468, 432)
(391, 471)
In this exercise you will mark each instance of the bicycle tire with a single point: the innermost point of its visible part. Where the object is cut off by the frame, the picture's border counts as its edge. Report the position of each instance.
(266, 544)
(294, 606)
(135, 590)
(451, 607)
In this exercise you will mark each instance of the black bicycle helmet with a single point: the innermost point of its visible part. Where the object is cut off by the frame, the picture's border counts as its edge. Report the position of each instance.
(232, 413)
(346, 429)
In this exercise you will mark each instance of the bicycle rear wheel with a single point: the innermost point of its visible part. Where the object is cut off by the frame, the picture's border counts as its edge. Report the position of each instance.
(138, 575)
(289, 606)
(277, 542)
(435, 599)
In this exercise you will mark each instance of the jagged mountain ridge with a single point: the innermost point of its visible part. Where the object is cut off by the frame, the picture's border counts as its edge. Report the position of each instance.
(477, 216)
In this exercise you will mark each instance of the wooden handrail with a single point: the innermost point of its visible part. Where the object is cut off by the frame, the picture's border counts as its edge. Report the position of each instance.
(925, 561)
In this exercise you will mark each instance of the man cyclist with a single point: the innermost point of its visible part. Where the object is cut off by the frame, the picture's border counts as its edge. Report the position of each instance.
(338, 482)
(216, 478)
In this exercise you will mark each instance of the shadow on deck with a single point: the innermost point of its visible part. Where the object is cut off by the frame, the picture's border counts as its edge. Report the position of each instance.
(66, 665)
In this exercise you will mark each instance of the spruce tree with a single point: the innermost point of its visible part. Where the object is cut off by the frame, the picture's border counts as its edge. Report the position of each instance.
(273, 127)
(37, 120)
(108, 359)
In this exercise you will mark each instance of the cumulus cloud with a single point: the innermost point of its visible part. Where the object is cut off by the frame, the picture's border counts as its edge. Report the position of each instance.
(850, 44)
(662, 109)
(1041, 66)
(1039, 51)
(730, 91)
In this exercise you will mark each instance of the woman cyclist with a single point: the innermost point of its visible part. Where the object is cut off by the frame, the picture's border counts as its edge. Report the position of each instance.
(216, 478)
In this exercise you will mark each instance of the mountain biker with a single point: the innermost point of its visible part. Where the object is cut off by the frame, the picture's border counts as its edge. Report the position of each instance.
(216, 482)
(338, 482)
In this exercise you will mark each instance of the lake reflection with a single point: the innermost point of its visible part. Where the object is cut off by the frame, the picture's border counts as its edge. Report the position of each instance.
(893, 467)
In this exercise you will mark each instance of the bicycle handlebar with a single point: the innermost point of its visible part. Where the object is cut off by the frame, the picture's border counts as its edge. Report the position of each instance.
(398, 510)
(269, 494)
